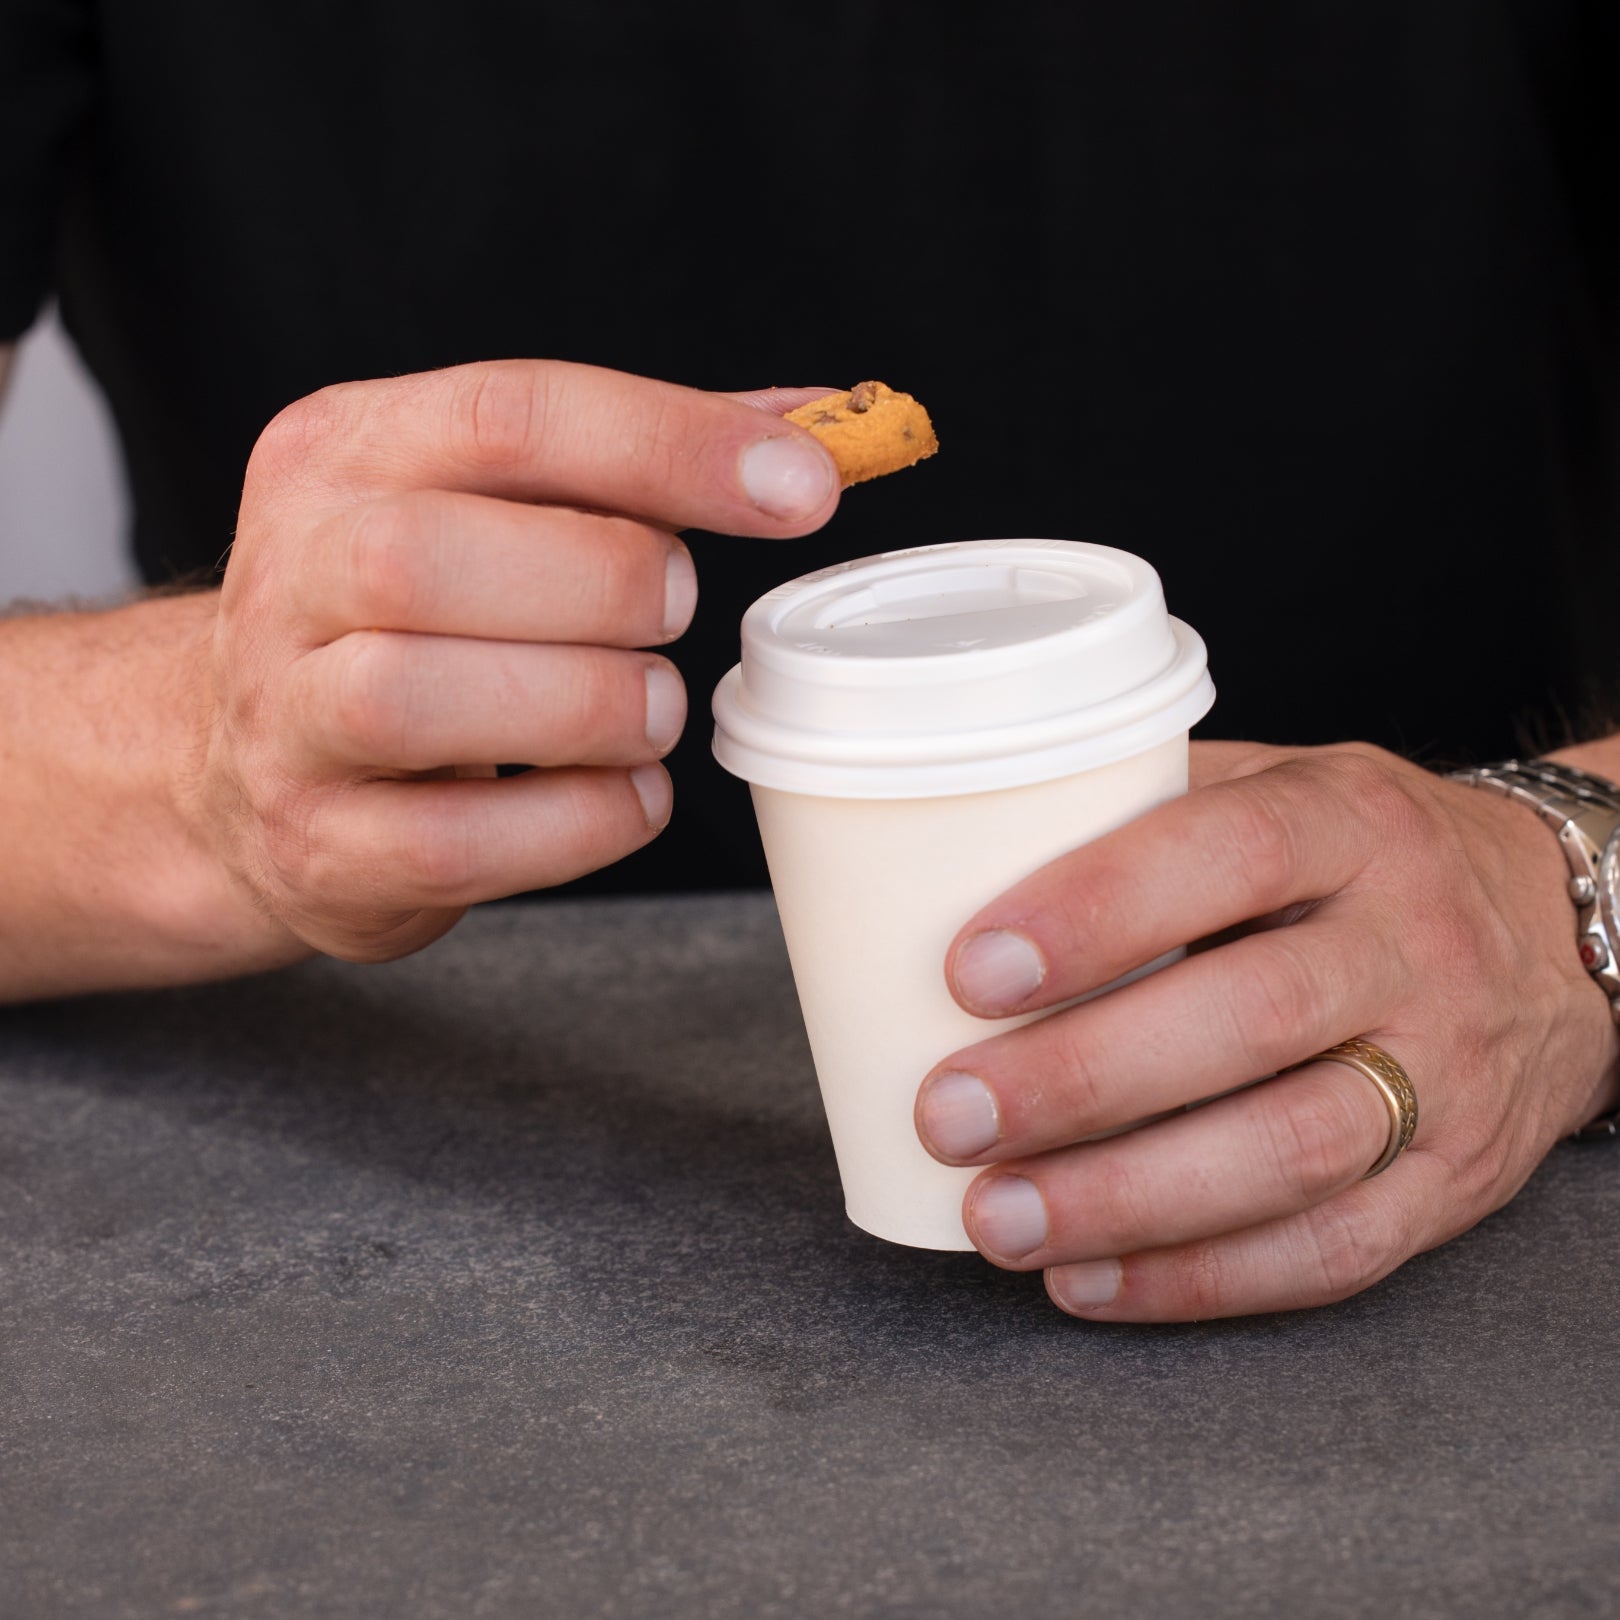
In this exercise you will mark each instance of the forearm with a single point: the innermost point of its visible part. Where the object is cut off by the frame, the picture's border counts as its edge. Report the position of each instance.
(109, 879)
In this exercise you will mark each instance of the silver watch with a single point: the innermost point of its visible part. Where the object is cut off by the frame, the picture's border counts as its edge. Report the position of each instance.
(1584, 810)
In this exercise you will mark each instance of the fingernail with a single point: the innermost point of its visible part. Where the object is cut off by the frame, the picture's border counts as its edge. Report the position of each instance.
(998, 970)
(656, 792)
(666, 707)
(787, 478)
(680, 591)
(958, 1116)
(1008, 1217)
(1085, 1285)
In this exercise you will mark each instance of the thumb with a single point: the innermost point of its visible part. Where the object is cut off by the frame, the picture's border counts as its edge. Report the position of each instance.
(779, 401)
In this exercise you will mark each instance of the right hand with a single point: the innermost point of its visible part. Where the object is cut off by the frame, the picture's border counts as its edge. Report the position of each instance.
(439, 573)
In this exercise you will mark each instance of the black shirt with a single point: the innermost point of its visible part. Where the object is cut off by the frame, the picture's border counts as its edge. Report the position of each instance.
(1313, 303)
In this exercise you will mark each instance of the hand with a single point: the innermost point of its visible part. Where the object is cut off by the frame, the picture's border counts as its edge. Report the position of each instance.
(1342, 892)
(440, 573)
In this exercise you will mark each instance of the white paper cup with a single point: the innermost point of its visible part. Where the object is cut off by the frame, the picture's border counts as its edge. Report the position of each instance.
(921, 730)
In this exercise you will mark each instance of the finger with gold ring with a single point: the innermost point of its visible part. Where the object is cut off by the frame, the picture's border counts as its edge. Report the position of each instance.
(1394, 1086)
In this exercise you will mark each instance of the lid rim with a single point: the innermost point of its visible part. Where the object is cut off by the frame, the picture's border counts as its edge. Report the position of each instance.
(938, 779)
(760, 733)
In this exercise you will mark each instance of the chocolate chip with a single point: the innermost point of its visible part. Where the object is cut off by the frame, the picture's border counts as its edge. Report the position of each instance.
(864, 397)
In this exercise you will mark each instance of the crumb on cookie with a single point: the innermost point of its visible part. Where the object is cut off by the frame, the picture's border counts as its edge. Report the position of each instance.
(869, 431)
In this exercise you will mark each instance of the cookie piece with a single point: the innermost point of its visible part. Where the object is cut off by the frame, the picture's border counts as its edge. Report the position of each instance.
(869, 431)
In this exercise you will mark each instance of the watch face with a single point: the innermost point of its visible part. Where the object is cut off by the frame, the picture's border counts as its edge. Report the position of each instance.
(1608, 884)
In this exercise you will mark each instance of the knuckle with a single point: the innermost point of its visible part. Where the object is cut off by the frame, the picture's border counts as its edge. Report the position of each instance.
(1089, 909)
(1198, 1281)
(342, 898)
(1489, 1176)
(1309, 1143)
(602, 707)
(664, 444)
(1362, 776)
(1401, 819)
(1358, 754)
(1343, 1252)
(289, 850)
(1485, 1170)
(1276, 1004)
(437, 862)
(1123, 1207)
(373, 940)
(1269, 840)
(602, 821)
(299, 433)
(383, 562)
(578, 704)
(1357, 770)
(1084, 1097)
(370, 703)
(628, 577)
(497, 413)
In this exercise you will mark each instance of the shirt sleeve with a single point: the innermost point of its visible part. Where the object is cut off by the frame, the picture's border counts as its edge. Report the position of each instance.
(47, 84)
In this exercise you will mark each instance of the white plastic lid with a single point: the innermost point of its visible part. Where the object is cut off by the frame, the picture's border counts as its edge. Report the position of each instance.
(957, 669)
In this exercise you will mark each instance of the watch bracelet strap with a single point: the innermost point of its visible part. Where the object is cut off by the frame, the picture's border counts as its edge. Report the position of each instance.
(1557, 793)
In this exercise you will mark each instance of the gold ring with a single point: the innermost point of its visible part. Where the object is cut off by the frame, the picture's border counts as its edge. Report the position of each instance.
(1394, 1086)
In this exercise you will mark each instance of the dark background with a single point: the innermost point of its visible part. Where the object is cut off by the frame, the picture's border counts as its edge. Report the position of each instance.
(1312, 304)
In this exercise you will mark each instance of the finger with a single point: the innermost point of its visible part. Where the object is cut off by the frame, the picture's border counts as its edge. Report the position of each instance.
(1273, 1150)
(415, 703)
(1197, 1028)
(470, 565)
(779, 401)
(1333, 1250)
(1235, 850)
(554, 432)
(369, 859)
(1220, 760)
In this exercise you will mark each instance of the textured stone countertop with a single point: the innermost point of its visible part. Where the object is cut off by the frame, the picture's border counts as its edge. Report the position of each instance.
(512, 1280)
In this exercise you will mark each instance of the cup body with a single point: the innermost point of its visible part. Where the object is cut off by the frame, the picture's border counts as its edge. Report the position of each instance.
(871, 892)
(921, 730)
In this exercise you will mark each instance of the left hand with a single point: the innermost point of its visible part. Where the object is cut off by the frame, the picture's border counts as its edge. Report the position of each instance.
(1352, 894)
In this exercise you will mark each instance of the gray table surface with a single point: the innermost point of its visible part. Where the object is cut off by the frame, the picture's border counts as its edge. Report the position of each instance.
(513, 1280)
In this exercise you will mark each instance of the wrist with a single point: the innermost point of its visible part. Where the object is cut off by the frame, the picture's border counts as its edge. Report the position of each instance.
(1600, 757)
(204, 906)
(114, 880)
(1579, 806)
